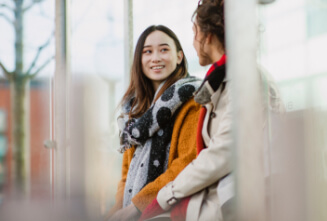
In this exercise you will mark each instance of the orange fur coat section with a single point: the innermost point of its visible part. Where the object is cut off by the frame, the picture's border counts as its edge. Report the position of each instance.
(182, 152)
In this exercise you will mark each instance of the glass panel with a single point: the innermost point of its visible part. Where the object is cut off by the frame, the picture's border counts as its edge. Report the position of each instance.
(98, 80)
(293, 43)
(27, 66)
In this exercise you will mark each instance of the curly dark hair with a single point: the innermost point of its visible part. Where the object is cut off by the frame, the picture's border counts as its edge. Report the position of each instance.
(209, 16)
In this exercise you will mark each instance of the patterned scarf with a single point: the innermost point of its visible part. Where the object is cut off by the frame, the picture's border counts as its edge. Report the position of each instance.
(151, 135)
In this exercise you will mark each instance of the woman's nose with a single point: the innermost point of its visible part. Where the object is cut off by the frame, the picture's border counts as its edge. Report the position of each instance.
(156, 58)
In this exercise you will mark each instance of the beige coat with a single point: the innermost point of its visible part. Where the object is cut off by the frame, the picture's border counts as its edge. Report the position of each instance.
(200, 178)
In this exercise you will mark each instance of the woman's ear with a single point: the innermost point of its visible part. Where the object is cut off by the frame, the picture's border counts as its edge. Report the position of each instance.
(180, 57)
(208, 39)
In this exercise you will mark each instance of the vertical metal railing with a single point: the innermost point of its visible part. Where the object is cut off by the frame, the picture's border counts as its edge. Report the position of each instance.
(61, 104)
(128, 39)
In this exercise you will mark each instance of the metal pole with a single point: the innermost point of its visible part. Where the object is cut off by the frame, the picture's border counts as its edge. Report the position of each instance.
(128, 39)
(241, 47)
(61, 100)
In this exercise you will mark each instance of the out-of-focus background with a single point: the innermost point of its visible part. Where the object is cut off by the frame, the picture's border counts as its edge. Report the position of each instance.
(64, 66)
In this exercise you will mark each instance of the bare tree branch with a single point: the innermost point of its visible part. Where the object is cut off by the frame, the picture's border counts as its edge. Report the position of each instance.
(6, 18)
(44, 14)
(31, 76)
(7, 73)
(32, 4)
(38, 54)
(6, 6)
(28, 7)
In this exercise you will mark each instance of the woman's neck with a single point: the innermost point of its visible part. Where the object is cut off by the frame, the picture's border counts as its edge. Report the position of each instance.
(156, 85)
(216, 50)
(216, 55)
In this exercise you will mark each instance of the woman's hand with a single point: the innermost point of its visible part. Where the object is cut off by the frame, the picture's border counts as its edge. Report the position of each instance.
(126, 214)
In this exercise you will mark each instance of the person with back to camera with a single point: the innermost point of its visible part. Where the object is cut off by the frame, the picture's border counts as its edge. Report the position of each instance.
(157, 132)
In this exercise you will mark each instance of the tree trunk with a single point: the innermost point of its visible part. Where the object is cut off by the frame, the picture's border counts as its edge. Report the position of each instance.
(19, 107)
(21, 167)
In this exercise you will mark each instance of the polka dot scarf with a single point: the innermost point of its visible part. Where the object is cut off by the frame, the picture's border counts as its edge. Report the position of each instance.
(151, 134)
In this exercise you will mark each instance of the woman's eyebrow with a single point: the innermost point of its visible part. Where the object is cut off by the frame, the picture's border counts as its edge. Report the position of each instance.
(163, 44)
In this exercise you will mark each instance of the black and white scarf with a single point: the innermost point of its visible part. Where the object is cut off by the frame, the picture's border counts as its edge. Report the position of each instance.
(151, 134)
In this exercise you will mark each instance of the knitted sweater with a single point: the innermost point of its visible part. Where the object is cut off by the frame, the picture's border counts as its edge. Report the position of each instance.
(182, 152)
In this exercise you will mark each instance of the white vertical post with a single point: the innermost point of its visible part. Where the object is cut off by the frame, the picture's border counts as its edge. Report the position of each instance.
(241, 48)
(128, 39)
(61, 100)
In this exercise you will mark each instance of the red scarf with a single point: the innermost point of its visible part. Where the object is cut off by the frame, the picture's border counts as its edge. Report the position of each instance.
(199, 139)
(178, 212)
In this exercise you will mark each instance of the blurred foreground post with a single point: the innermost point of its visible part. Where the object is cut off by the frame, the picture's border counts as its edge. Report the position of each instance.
(241, 47)
(61, 101)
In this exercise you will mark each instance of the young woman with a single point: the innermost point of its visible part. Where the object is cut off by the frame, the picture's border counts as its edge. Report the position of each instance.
(194, 191)
(157, 121)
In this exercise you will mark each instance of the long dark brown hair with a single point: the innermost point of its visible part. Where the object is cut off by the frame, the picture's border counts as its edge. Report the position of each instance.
(140, 88)
(209, 16)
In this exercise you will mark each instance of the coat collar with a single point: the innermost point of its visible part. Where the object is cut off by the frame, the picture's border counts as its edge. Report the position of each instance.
(210, 85)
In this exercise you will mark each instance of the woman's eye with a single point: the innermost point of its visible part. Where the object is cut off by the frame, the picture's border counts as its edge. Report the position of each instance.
(164, 49)
(147, 51)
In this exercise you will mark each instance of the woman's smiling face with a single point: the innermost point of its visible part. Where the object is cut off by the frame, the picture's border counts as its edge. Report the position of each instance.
(159, 57)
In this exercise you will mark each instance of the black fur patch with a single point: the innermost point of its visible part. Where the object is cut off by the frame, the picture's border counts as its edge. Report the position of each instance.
(185, 92)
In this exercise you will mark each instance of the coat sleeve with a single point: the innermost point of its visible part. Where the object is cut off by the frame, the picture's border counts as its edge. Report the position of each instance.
(211, 164)
(184, 142)
(121, 185)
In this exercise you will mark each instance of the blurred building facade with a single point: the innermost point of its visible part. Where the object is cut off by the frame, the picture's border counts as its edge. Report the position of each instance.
(38, 132)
